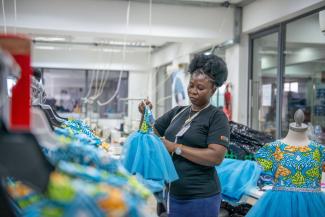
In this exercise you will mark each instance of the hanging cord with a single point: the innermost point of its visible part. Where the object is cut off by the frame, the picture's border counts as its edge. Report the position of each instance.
(4, 18)
(123, 58)
(94, 75)
(15, 14)
(96, 84)
(103, 82)
(95, 72)
(116, 91)
(85, 99)
(102, 85)
(150, 33)
(149, 77)
(107, 75)
(99, 79)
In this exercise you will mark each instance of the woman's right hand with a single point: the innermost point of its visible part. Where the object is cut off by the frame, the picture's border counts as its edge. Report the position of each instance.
(142, 105)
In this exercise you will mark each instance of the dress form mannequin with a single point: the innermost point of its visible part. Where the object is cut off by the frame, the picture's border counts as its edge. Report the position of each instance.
(297, 135)
(295, 165)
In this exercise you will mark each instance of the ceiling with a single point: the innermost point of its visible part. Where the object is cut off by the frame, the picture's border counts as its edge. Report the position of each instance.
(202, 3)
(103, 22)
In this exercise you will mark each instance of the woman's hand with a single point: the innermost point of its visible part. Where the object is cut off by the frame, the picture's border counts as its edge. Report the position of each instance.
(171, 146)
(143, 104)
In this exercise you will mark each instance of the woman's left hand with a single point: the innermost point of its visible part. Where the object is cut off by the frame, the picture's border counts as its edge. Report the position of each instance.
(169, 145)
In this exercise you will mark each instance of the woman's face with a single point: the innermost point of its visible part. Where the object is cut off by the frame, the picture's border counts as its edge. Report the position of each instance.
(200, 89)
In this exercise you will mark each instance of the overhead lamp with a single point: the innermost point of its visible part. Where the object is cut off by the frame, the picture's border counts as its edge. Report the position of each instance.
(50, 39)
(109, 50)
(128, 43)
(43, 47)
(118, 43)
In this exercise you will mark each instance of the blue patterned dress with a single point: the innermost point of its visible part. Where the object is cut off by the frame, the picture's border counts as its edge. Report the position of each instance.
(297, 172)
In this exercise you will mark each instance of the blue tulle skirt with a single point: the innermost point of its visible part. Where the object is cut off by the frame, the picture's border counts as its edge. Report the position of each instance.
(237, 177)
(145, 154)
(289, 204)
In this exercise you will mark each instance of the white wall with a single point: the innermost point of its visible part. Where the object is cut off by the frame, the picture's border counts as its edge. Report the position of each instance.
(177, 53)
(88, 58)
(237, 63)
(264, 13)
(138, 88)
(308, 27)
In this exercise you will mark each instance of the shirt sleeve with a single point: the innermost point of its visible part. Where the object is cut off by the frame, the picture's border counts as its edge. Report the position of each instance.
(264, 157)
(219, 131)
(162, 123)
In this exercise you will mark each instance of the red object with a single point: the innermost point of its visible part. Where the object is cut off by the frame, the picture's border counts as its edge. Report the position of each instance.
(19, 48)
(228, 103)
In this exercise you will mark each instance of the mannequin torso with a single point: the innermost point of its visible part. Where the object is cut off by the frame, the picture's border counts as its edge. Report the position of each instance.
(296, 138)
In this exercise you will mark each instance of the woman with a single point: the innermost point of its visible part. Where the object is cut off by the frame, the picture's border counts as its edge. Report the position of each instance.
(197, 136)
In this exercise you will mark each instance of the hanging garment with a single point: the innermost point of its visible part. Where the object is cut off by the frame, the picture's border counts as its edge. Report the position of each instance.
(245, 141)
(297, 172)
(237, 177)
(146, 155)
(79, 128)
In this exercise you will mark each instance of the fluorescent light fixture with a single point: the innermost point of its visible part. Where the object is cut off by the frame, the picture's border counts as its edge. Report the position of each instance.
(51, 39)
(128, 43)
(43, 47)
(207, 53)
(119, 43)
(109, 50)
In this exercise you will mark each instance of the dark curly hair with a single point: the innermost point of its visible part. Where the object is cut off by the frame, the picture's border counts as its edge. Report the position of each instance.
(212, 66)
(37, 73)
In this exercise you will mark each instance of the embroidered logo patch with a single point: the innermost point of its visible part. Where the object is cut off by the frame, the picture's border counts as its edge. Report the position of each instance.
(224, 138)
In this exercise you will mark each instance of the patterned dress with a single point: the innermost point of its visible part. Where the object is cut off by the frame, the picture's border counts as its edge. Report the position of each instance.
(297, 172)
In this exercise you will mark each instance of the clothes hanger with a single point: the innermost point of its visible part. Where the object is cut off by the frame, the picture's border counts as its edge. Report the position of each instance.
(38, 93)
(41, 128)
(49, 112)
(58, 116)
(49, 116)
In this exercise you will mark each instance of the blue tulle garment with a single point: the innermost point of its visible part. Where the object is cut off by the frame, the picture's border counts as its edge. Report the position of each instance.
(289, 204)
(237, 177)
(145, 154)
(297, 172)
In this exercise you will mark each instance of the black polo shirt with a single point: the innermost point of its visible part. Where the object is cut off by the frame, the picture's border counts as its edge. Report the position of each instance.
(209, 127)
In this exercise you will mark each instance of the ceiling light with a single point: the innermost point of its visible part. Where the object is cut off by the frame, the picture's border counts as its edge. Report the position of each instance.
(128, 43)
(51, 39)
(42, 47)
(111, 50)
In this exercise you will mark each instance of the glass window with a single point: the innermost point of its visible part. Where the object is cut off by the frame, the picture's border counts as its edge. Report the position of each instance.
(264, 83)
(304, 75)
(65, 89)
